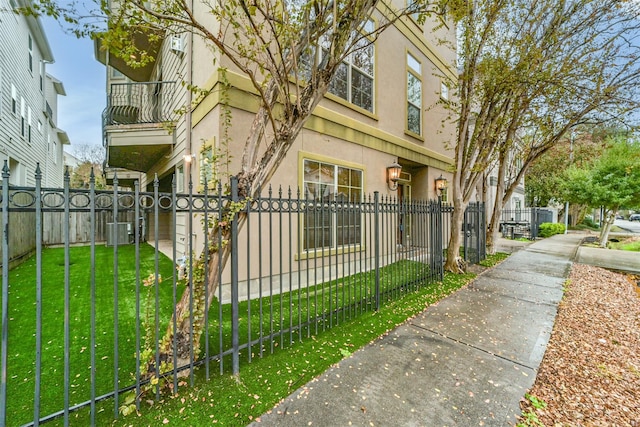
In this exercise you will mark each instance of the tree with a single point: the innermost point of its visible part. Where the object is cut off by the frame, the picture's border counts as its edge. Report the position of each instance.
(610, 181)
(530, 72)
(91, 158)
(272, 42)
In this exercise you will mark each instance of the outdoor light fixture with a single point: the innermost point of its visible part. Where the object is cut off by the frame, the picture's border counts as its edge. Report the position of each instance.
(393, 175)
(441, 184)
(188, 158)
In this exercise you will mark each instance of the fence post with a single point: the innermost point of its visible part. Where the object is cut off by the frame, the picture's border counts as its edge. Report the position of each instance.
(235, 334)
(5, 292)
(38, 356)
(376, 245)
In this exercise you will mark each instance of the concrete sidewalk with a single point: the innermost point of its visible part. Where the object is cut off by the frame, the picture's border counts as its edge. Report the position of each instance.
(466, 361)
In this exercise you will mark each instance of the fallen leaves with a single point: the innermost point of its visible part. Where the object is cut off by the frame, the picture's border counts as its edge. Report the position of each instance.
(589, 374)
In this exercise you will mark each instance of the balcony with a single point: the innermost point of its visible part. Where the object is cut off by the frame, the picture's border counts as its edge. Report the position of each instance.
(147, 40)
(138, 124)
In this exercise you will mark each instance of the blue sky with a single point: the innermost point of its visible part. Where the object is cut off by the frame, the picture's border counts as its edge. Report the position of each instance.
(79, 113)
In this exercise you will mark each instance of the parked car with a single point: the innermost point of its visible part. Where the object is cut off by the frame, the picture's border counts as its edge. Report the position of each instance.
(634, 217)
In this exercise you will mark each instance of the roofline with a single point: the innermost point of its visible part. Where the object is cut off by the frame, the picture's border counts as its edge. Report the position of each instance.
(39, 35)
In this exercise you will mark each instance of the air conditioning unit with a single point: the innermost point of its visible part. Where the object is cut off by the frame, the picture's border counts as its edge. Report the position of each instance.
(123, 231)
(177, 45)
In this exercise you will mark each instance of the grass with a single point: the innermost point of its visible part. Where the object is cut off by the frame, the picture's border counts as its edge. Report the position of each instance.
(626, 245)
(224, 399)
(21, 371)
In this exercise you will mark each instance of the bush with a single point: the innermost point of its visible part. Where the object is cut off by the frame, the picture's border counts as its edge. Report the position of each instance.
(548, 229)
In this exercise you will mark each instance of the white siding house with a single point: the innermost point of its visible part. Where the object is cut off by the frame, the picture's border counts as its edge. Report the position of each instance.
(28, 101)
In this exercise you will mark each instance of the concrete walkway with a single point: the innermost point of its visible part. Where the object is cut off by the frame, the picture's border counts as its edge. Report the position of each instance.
(466, 361)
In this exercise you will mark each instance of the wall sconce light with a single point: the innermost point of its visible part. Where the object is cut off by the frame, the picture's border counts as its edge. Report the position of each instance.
(441, 184)
(393, 175)
(188, 158)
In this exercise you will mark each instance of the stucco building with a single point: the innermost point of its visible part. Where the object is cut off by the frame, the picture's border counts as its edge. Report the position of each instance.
(385, 107)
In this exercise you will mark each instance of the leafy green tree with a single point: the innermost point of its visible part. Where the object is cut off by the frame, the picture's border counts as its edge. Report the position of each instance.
(529, 73)
(610, 181)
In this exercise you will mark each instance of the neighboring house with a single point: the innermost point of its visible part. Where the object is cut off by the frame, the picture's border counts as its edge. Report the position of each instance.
(28, 101)
(71, 160)
(397, 117)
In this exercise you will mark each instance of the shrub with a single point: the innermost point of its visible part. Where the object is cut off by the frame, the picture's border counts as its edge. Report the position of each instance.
(548, 229)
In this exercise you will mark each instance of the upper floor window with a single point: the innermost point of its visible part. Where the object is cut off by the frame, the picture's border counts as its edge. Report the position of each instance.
(353, 80)
(414, 95)
(41, 76)
(14, 99)
(23, 117)
(30, 54)
(29, 124)
(326, 225)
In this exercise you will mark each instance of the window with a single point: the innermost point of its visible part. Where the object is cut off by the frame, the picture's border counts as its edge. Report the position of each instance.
(444, 91)
(206, 165)
(41, 76)
(353, 80)
(55, 152)
(29, 124)
(180, 179)
(414, 95)
(14, 99)
(327, 225)
(30, 53)
(39, 127)
(115, 74)
(23, 113)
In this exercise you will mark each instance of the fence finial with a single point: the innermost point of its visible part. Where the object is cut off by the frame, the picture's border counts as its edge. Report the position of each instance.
(38, 171)
(5, 169)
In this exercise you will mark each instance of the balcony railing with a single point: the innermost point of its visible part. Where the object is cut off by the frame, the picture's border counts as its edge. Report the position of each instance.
(138, 103)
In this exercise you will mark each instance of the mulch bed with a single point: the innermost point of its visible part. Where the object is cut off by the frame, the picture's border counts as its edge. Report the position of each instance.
(590, 374)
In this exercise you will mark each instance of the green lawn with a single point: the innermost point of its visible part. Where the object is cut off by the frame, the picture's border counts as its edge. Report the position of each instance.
(21, 371)
(309, 350)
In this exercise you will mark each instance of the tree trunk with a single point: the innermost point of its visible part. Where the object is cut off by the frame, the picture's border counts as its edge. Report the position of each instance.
(609, 218)
(455, 263)
(498, 203)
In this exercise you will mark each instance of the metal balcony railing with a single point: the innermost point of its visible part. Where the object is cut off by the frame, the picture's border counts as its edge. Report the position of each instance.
(138, 103)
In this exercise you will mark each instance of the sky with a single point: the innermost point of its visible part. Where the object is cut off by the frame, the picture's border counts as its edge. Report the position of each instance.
(83, 78)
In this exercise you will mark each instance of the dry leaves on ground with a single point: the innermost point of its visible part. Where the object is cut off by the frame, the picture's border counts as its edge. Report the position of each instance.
(590, 374)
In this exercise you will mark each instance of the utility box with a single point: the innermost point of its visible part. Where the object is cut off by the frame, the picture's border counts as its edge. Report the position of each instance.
(124, 232)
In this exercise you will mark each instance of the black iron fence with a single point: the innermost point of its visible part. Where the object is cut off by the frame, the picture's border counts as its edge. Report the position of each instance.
(83, 326)
(523, 223)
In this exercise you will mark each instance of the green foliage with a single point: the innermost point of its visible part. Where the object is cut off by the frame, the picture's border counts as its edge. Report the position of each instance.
(529, 418)
(548, 229)
(610, 180)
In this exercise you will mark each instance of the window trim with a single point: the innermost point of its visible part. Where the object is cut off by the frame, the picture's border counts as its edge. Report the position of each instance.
(412, 71)
(334, 249)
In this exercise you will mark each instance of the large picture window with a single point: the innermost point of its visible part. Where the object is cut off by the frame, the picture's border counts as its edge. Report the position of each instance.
(414, 95)
(330, 221)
